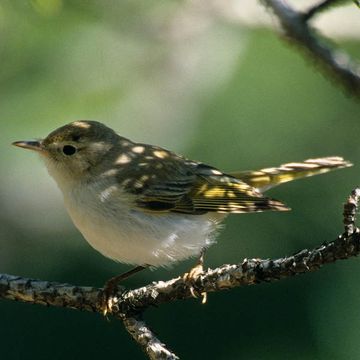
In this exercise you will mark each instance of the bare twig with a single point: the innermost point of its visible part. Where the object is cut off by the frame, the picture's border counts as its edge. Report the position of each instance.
(350, 209)
(129, 305)
(336, 63)
(322, 6)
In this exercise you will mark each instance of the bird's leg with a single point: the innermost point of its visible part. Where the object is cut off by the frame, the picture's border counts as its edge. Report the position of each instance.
(194, 273)
(110, 287)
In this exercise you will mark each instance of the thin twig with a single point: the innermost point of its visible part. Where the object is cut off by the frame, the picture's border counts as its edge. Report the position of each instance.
(336, 63)
(350, 210)
(316, 9)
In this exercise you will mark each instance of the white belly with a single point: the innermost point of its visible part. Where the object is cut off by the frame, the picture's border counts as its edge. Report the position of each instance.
(136, 237)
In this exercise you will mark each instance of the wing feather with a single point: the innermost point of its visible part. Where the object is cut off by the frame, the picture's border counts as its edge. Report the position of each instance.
(204, 189)
(161, 181)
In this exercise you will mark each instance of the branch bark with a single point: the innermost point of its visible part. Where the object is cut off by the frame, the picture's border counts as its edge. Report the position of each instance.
(130, 305)
(334, 62)
(143, 335)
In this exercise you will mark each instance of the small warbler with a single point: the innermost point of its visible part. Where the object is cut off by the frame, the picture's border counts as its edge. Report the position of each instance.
(143, 205)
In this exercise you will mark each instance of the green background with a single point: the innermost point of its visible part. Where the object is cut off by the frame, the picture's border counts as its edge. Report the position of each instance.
(199, 84)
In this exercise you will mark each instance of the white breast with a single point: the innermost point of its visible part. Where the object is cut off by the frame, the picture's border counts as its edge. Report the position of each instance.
(123, 233)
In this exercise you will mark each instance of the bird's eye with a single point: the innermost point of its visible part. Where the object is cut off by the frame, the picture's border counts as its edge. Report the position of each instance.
(69, 150)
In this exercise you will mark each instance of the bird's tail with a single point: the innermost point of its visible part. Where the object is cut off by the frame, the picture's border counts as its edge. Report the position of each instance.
(267, 178)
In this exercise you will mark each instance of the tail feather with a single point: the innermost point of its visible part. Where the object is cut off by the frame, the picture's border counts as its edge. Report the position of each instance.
(267, 178)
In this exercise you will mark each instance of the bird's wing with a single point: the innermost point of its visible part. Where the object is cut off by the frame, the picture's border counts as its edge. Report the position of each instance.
(195, 188)
(219, 192)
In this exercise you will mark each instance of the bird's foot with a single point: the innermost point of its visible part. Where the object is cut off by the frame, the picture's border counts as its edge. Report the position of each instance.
(190, 278)
(108, 296)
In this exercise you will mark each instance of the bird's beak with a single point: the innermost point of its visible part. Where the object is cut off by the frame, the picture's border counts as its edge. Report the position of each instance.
(31, 145)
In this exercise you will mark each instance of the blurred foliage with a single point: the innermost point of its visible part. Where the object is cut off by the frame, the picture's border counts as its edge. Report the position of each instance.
(174, 74)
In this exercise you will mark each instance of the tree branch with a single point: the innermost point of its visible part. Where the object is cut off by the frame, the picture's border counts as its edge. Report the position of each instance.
(129, 305)
(322, 6)
(150, 344)
(335, 62)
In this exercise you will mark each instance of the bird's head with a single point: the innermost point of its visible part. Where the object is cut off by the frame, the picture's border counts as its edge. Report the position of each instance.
(74, 151)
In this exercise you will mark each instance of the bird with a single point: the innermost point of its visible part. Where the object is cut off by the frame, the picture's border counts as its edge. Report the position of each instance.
(146, 206)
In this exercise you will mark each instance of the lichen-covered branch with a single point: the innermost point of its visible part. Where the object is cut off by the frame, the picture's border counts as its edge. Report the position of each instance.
(249, 272)
(143, 335)
(130, 304)
(335, 62)
(49, 293)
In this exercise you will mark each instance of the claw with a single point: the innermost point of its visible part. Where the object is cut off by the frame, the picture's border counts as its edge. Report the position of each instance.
(108, 298)
(191, 276)
(108, 295)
